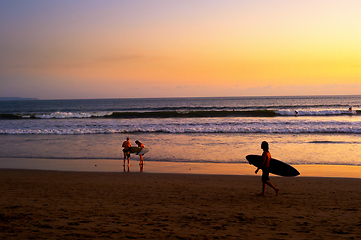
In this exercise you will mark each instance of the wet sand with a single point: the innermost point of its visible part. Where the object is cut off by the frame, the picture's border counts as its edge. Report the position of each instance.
(87, 205)
(113, 165)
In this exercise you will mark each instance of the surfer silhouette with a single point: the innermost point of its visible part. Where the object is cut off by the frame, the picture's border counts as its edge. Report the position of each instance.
(141, 146)
(265, 164)
(126, 150)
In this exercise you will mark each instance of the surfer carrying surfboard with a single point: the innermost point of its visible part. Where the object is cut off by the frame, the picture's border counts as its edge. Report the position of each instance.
(141, 146)
(265, 164)
(126, 150)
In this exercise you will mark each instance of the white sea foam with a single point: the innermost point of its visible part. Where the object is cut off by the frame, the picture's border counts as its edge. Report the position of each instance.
(309, 112)
(65, 115)
(203, 125)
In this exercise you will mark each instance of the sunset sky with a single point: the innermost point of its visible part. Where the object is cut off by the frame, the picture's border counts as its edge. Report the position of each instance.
(186, 48)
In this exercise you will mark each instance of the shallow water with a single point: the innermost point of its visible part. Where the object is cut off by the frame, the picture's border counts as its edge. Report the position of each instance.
(334, 149)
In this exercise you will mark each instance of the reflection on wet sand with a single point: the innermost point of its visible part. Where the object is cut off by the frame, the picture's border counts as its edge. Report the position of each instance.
(127, 169)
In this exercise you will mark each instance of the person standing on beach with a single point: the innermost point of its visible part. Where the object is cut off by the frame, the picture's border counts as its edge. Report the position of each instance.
(141, 146)
(265, 164)
(126, 150)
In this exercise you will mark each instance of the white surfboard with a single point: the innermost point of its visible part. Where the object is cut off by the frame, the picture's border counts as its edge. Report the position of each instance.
(139, 151)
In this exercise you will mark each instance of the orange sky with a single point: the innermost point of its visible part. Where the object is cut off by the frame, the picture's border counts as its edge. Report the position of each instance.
(115, 49)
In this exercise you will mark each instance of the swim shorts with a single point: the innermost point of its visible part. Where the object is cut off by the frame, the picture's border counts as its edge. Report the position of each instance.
(265, 174)
(126, 152)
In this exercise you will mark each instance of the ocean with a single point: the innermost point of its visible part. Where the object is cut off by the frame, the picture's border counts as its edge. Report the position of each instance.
(209, 130)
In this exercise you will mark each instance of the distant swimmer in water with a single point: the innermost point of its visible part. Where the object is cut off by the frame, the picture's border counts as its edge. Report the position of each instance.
(351, 111)
(296, 113)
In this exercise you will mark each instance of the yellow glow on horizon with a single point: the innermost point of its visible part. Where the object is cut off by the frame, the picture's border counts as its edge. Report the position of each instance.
(248, 44)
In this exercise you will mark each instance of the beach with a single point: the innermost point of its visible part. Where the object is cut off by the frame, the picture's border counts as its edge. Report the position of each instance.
(62, 174)
(112, 205)
(209, 91)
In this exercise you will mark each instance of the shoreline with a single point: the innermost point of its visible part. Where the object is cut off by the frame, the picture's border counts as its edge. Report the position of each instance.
(114, 166)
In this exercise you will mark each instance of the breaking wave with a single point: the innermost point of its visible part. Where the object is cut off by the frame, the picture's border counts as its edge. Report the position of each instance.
(176, 114)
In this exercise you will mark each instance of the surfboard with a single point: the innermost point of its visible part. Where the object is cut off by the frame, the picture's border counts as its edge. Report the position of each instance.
(276, 166)
(139, 151)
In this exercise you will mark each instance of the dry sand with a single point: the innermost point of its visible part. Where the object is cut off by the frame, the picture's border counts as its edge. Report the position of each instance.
(85, 205)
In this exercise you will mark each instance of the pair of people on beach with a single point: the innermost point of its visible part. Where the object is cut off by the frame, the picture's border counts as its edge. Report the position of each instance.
(126, 150)
(265, 164)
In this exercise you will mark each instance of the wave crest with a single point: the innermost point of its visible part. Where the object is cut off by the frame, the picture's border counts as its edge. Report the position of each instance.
(177, 114)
